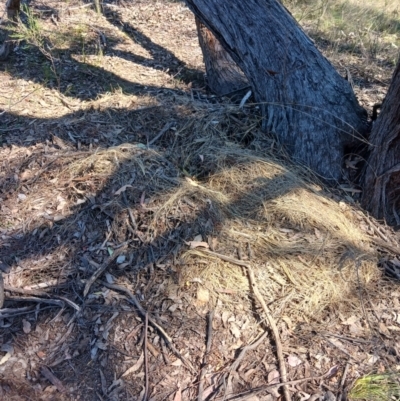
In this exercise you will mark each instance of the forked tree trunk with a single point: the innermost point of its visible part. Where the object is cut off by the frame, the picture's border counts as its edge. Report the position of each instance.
(381, 195)
(223, 74)
(13, 8)
(310, 108)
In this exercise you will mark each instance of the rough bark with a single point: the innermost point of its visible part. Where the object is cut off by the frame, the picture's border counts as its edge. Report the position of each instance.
(310, 108)
(13, 8)
(223, 74)
(381, 193)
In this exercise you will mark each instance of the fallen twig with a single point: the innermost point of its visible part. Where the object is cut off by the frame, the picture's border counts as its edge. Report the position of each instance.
(26, 292)
(1, 290)
(52, 379)
(247, 348)
(271, 321)
(132, 217)
(102, 268)
(38, 300)
(146, 361)
(237, 397)
(342, 382)
(9, 312)
(206, 354)
(275, 332)
(142, 311)
(164, 129)
(41, 294)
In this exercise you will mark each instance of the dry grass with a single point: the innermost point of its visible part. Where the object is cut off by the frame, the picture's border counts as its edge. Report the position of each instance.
(364, 29)
(79, 179)
(361, 39)
(311, 245)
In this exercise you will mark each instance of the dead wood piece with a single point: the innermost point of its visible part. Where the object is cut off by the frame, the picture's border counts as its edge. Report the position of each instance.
(10, 312)
(275, 332)
(131, 216)
(271, 320)
(152, 350)
(247, 348)
(327, 334)
(242, 396)
(38, 300)
(164, 352)
(146, 359)
(342, 390)
(69, 302)
(1, 290)
(102, 269)
(42, 294)
(26, 292)
(166, 127)
(205, 358)
(142, 311)
(52, 379)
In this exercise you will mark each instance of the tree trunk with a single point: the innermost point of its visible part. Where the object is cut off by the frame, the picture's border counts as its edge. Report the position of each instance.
(223, 74)
(381, 193)
(310, 108)
(13, 8)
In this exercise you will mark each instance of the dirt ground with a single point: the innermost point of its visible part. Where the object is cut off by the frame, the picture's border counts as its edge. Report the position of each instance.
(155, 245)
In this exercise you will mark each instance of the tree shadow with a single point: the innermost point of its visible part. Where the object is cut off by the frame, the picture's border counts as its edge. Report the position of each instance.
(59, 68)
(82, 236)
(72, 240)
(162, 58)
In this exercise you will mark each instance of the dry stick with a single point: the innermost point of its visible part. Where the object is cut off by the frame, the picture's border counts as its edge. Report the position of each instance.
(132, 217)
(205, 358)
(1, 290)
(343, 381)
(42, 294)
(271, 321)
(52, 379)
(275, 332)
(12, 312)
(331, 372)
(143, 312)
(146, 361)
(250, 347)
(36, 293)
(102, 268)
(235, 365)
(166, 127)
(38, 300)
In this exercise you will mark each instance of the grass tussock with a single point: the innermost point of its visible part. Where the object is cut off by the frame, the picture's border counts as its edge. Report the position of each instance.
(375, 387)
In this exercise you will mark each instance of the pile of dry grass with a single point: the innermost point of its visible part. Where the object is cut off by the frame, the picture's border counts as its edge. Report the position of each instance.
(307, 249)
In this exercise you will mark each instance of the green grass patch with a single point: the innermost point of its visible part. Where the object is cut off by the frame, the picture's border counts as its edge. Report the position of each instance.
(376, 387)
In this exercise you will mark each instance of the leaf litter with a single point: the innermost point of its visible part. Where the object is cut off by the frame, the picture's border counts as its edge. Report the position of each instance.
(125, 206)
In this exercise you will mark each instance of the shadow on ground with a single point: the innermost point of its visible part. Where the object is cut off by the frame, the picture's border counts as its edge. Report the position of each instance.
(68, 243)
